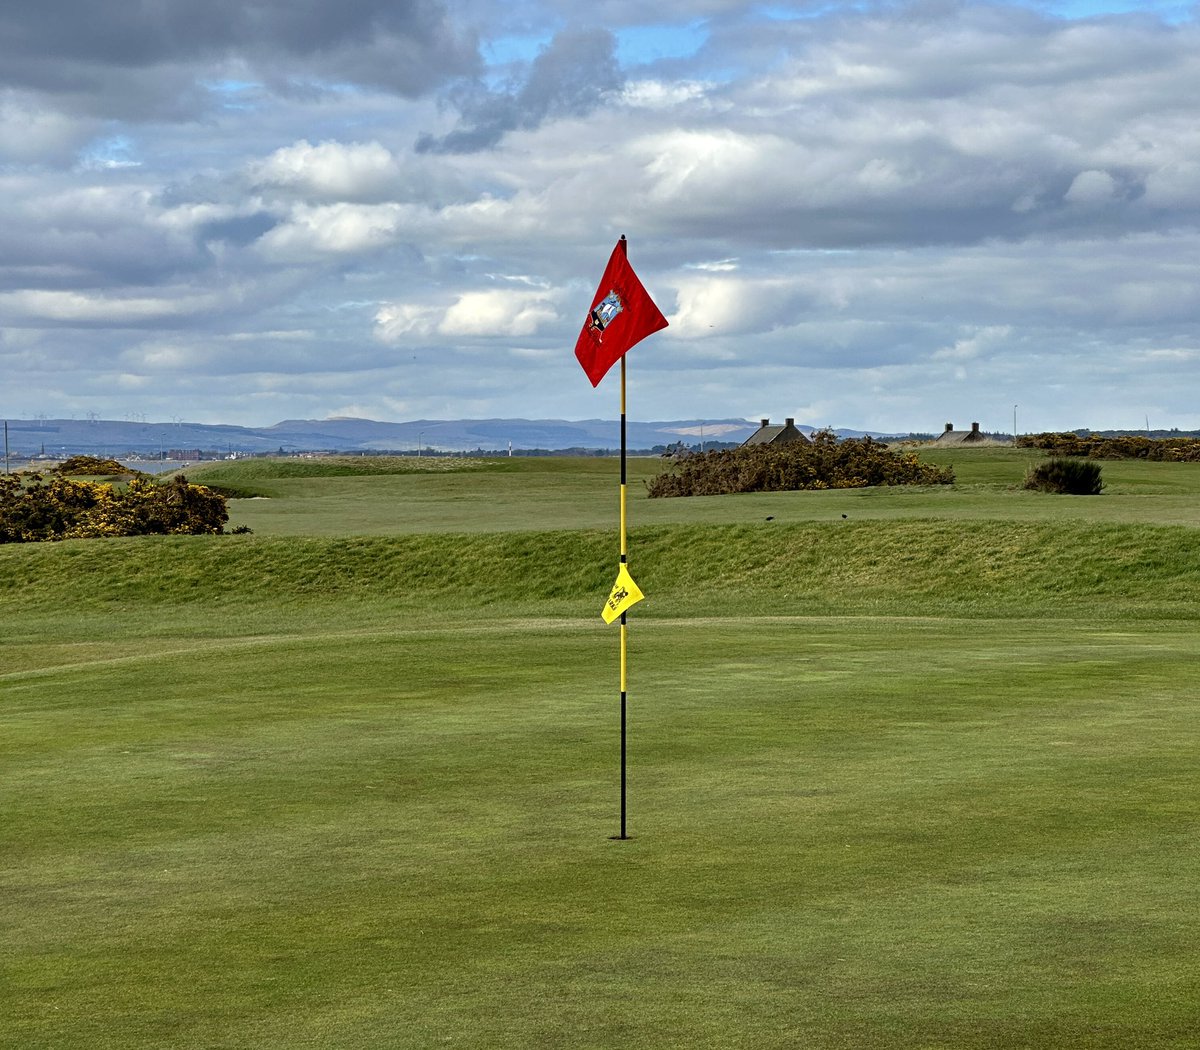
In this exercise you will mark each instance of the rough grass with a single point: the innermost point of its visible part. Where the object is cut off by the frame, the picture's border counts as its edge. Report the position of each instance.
(992, 569)
(895, 783)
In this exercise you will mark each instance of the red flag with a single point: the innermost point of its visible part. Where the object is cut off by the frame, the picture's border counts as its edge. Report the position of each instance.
(622, 315)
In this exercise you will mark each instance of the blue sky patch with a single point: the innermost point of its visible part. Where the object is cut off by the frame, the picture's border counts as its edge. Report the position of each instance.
(640, 45)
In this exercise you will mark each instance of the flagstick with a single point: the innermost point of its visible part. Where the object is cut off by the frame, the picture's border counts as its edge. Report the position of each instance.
(624, 560)
(620, 293)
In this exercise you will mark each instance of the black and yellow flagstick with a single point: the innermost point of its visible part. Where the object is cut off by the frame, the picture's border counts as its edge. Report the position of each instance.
(624, 291)
(624, 561)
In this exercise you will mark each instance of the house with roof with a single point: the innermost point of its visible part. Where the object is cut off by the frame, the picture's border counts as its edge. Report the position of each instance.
(974, 436)
(775, 434)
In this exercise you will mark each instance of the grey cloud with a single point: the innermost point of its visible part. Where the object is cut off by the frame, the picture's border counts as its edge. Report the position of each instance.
(921, 209)
(132, 60)
(101, 256)
(982, 122)
(570, 77)
(522, 19)
(239, 230)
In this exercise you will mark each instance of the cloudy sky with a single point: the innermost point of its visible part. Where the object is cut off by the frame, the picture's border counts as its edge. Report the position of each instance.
(882, 215)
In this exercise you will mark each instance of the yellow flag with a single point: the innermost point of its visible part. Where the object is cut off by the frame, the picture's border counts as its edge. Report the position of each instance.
(625, 593)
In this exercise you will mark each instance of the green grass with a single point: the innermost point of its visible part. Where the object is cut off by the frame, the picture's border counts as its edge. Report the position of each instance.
(520, 494)
(998, 569)
(921, 777)
(261, 475)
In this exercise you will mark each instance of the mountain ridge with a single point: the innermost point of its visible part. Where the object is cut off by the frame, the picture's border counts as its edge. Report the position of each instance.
(56, 437)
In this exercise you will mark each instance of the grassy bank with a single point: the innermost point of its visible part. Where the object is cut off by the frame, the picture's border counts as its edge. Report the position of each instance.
(897, 567)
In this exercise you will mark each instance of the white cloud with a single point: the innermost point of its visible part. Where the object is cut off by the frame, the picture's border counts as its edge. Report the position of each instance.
(711, 164)
(658, 94)
(490, 313)
(113, 311)
(32, 133)
(722, 306)
(338, 229)
(191, 216)
(498, 312)
(135, 383)
(1170, 355)
(395, 321)
(1174, 185)
(330, 171)
(875, 213)
(974, 345)
(1092, 187)
(716, 266)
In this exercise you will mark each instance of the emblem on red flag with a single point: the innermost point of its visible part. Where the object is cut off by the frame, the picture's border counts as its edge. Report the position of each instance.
(605, 310)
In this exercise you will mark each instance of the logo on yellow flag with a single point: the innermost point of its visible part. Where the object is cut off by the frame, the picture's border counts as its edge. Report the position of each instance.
(625, 593)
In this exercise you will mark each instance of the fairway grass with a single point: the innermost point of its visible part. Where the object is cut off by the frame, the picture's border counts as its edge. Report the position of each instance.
(867, 832)
(917, 780)
(316, 498)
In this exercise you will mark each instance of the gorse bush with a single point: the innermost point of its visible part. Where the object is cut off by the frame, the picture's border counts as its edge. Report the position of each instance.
(1070, 477)
(34, 509)
(823, 463)
(92, 465)
(1129, 446)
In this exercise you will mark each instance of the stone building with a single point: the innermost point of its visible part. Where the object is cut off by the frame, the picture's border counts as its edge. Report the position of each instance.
(775, 434)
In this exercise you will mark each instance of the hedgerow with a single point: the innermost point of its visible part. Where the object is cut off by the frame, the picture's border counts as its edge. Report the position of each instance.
(1130, 446)
(33, 509)
(822, 463)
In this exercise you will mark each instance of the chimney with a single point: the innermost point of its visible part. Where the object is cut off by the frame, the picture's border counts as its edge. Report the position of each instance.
(949, 427)
(974, 428)
(766, 422)
(790, 422)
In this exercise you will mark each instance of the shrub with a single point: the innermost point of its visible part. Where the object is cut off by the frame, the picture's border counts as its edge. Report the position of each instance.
(823, 463)
(93, 466)
(1071, 477)
(33, 509)
(1128, 446)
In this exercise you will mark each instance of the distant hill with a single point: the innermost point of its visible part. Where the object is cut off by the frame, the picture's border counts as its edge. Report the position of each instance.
(62, 437)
